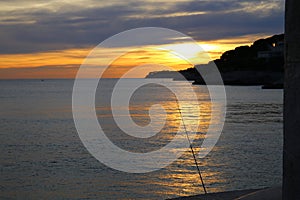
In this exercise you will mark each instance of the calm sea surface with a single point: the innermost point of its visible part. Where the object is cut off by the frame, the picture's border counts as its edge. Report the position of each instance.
(42, 156)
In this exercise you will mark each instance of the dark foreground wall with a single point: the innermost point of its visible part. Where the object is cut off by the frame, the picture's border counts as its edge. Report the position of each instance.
(291, 177)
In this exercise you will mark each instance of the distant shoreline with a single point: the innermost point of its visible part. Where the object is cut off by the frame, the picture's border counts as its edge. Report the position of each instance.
(264, 86)
(262, 63)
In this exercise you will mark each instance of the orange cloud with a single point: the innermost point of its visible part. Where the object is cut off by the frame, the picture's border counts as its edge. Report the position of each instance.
(149, 59)
(52, 58)
(65, 63)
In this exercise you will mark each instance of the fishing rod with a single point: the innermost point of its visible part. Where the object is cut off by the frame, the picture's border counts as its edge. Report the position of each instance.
(191, 147)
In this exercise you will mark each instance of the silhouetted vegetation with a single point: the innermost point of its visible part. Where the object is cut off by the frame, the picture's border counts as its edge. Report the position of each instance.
(246, 58)
(260, 63)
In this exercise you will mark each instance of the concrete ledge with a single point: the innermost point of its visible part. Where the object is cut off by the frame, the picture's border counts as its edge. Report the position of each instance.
(252, 194)
(266, 194)
(219, 196)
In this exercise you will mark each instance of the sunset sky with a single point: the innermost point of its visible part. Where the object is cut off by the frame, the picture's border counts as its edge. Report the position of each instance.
(51, 39)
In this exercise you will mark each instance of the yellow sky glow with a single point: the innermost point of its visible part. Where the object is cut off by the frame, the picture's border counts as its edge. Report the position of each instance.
(65, 63)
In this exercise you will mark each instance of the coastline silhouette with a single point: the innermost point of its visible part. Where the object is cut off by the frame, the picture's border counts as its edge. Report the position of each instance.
(259, 64)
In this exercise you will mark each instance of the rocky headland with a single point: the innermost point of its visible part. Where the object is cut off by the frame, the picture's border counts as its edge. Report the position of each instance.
(261, 63)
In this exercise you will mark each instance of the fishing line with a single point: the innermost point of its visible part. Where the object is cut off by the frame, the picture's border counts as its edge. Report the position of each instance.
(192, 150)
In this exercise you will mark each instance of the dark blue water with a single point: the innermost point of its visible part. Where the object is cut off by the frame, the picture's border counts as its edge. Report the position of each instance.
(42, 156)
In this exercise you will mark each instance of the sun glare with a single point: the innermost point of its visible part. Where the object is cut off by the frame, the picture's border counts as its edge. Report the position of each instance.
(65, 63)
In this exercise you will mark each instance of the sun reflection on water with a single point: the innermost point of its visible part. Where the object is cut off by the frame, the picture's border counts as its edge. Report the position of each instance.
(181, 177)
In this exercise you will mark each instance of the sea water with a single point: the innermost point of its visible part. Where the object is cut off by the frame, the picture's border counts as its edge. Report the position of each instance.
(42, 156)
